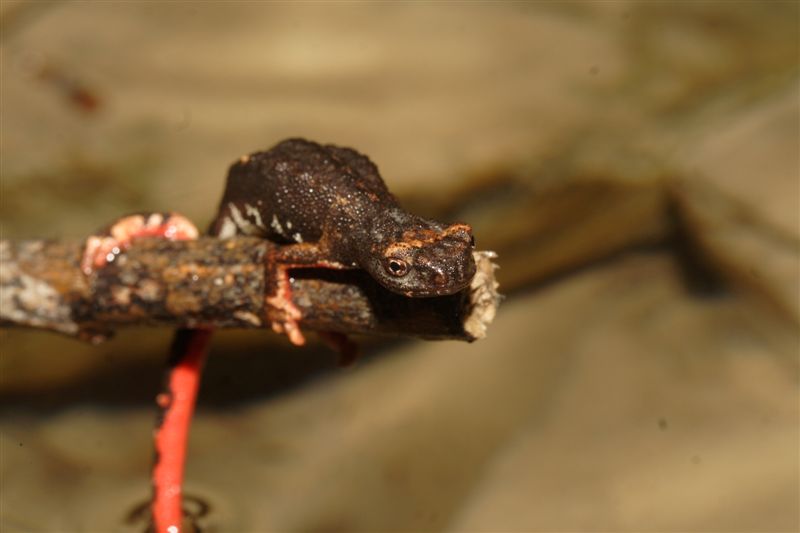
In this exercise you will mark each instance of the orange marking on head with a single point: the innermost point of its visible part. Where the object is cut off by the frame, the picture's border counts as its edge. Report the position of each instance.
(458, 226)
(417, 238)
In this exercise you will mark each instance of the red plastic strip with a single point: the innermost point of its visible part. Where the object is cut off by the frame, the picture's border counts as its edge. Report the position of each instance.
(172, 436)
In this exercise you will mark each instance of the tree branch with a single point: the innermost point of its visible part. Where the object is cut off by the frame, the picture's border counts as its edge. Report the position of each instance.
(221, 284)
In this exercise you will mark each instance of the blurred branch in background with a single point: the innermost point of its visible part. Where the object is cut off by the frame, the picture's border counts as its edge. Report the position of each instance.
(544, 232)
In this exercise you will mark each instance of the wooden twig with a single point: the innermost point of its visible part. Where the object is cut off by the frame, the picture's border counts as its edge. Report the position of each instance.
(220, 284)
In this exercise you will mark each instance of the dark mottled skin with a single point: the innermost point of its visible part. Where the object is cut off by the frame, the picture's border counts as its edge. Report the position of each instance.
(333, 205)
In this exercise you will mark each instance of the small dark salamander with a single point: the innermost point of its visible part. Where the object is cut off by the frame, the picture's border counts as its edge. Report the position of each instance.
(331, 208)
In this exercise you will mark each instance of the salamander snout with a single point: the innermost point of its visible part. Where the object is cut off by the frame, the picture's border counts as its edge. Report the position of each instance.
(446, 265)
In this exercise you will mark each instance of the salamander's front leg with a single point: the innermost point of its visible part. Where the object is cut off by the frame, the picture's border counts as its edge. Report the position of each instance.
(113, 240)
(287, 313)
(280, 262)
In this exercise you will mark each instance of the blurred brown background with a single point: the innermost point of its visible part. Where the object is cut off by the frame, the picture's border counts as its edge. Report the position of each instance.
(634, 163)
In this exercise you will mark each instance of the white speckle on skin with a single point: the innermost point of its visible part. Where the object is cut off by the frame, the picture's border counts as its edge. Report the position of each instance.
(228, 229)
(247, 227)
(297, 237)
(288, 224)
(253, 212)
(276, 225)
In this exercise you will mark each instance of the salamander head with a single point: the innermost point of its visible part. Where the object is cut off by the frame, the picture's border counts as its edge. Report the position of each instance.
(421, 257)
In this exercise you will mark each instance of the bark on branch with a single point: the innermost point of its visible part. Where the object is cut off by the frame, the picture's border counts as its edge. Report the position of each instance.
(219, 283)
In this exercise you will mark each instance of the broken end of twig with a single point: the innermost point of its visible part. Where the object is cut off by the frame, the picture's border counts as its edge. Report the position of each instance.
(28, 300)
(484, 297)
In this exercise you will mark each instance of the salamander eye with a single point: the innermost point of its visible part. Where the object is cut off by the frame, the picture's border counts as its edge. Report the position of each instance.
(398, 267)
